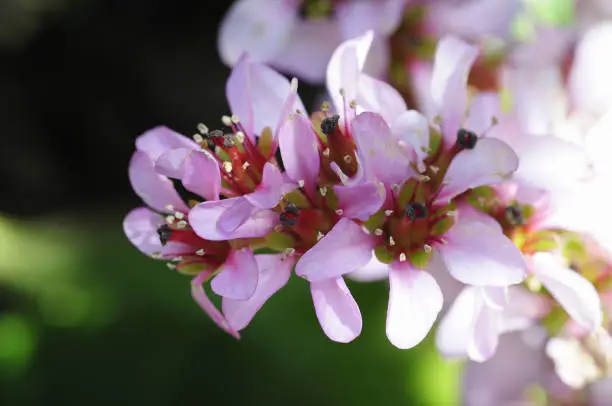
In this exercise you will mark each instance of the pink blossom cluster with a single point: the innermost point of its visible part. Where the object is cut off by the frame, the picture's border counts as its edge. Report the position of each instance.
(468, 167)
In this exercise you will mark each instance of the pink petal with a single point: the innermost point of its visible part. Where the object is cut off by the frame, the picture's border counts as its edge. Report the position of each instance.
(171, 162)
(237, 277)
(204, 219)
(473, 18)
(235, 215)
(452, 63)
(379, 97)
(492, 161)
(370, 272)
(495, 297)
(345, 248)
(415, 299)
(486, 336)
(383, 159)
(456, 329)
(484, 108)
(357, 17)
(590, 83)
(344, 69)
(598, 142)
(412, 128)
(154, 189)
(199, 295)
(201, 175)
(158, 140)
(140, 226)
(336, 309)
(272, 188)
(300, 151)
(274, 273)
(257, 95)
(309, 49)
(360, 201)
(576, 294)
(469, 213)
(258, 27)
(479, 255)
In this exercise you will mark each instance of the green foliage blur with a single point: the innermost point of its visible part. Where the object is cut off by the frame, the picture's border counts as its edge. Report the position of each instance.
(88, 320)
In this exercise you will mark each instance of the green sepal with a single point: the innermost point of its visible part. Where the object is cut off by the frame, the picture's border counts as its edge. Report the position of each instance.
(279, 241)
(442, 226)
(420, 259)
(384, 255)
(375, 221)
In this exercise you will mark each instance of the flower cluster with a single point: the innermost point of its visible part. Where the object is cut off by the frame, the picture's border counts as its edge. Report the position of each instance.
(473, 176)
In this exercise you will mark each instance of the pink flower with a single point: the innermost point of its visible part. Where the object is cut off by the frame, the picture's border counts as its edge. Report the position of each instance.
(418, 217)
(162, 230)
(273, 32)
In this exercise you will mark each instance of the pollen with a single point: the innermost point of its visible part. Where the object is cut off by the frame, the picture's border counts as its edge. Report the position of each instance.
(239, 136)
(378, 232)
(226, 120)
(402, 257)
(391, 241)
(198, 138)
(388, 212)
(427, 248)
(179, 215)
(181, 224)
(323, 191)
(202, 129)
(235, 119)
(201, 252)
(326, 152)
(466, 139)
(227, 167)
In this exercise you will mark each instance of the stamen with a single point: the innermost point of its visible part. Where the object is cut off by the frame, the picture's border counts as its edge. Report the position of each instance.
(226, 120)
(170, 219)
(391, 241)
(171, 266)
(290, 215)
(179, 215)
(326, 152)
(323, 191)
(294, 84)
(339, 212)
(427, 248)
(329, 124)
(378, 232)
(466, 139)
(201, 252)
(227, 166)
(388, 212)
(169, 207)
(165, 232)
(202, 129)
(198, 138)
(515, 215)
(320, 235)
(181, 224)
(325, 106)
(348, 159)
(416, 210)
(402, 257)
(434, 168)
(227, 141)
(235, 119)
(239, 136)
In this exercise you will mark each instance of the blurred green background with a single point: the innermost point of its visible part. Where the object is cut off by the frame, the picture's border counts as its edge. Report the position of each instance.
(85, 319)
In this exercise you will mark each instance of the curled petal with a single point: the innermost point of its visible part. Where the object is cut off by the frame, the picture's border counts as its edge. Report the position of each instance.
(300, 151)
(479, 255)
(495, 297)
(383, 159)
(412, 128)
(336, 309)
(161, 139)
(457, 327)
(272, 187)
(415, 299)
(344, 69)
(576, 294)
(154, 189)
(379, 97)
(486, 334)
(452, 63)
(491, 161)
(204, 219)
(140, 227)
(260, 28)
(274, 273)
(235, 215)
(360, 201)
(345, 248)
(201, 175)
(238, 276)
(199, 295)
(257, 95)
(171, 162)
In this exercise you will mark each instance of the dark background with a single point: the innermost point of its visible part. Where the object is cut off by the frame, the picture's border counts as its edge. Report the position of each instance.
(85, 319)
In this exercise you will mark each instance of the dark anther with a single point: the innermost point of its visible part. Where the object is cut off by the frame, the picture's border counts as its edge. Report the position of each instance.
(416, 211)
(215, 134)
(466, 139)
(515, 215)
(228, 141)
(329, 124)
(289, 216)
(165, 232)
